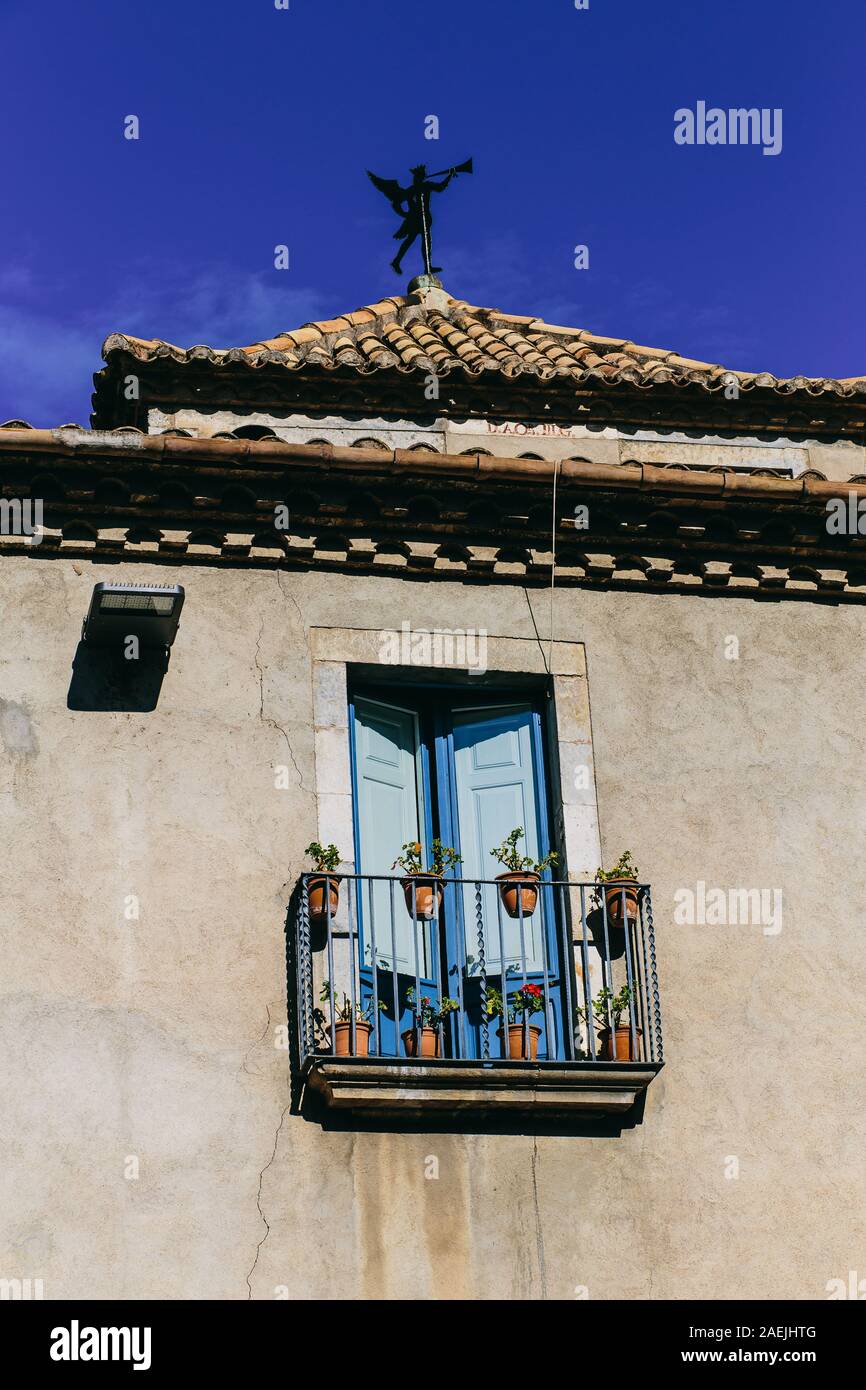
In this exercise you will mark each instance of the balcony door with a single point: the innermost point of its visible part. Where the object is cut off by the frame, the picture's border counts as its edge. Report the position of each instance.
(439, 762)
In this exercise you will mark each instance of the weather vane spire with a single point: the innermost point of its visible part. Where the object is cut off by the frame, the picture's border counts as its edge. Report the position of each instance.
(413, 205)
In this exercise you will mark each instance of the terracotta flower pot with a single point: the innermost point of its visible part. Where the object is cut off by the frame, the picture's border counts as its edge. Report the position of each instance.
(517, 1041)
(613, 892)
(621, 1050)
(429, 1042)
(343, 1039)
(513, 895)
(426, 891)
(316, 897)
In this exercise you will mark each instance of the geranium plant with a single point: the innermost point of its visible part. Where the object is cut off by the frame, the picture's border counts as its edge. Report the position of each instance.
(529, 999)
(510, 857)
(429, 1014)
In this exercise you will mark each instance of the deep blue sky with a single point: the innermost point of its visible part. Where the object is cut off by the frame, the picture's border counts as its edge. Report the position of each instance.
(257, 125)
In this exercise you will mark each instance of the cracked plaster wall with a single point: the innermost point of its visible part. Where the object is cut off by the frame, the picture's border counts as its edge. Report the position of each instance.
(154, 1038)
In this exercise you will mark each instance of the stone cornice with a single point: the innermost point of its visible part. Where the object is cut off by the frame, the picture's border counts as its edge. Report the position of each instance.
(470, 517)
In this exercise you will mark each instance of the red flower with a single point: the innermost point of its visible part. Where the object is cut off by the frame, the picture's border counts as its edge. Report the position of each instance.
(532, 989)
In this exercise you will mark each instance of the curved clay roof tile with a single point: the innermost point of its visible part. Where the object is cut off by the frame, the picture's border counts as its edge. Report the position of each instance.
(410, 332)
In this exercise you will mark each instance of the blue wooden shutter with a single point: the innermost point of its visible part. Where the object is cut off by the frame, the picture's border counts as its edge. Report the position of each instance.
(389, 813)
(496, 791)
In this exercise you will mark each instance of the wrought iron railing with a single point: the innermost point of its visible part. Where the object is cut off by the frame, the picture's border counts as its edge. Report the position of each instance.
(419, 973)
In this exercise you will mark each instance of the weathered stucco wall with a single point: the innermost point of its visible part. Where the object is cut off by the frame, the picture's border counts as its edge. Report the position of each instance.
(154, 1038)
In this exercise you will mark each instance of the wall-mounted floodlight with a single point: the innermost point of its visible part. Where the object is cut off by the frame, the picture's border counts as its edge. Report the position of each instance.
(149, 612)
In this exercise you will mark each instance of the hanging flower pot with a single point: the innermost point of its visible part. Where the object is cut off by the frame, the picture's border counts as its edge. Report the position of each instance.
(317, 889)
(613, 893)
(518, 886)
(343, 1039)
(621, 879)
(423, 888)
(618, 1048)
(323, 889)
(517, 1039)
(423, 894)
(518, 890)
(429, 1042)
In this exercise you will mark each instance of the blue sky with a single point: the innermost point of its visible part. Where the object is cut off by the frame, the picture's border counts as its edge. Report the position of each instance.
(256, 126)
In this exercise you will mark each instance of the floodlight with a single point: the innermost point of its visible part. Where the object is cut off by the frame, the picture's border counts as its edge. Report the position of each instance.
(150, 612)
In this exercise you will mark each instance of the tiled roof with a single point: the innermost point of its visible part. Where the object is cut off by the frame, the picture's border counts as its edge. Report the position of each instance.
(433, 332)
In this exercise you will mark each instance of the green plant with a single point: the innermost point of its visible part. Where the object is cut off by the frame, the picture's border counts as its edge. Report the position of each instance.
(443, 858)
(607, 1007)
(510, 857)
(324, 859)
(428, 1014)
(529, 999)
(624, 867)
(343, 1011)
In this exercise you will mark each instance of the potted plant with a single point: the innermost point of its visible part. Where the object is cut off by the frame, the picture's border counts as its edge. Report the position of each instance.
(324, 859)
(621, 878)
(342, 1032)
(606, 1015)
(423, 888)
(518, 885)
(520, 1007)
(428, 1017)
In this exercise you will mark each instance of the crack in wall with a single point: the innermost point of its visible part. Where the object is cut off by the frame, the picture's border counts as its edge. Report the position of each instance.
(292, 600)
(267, 1224)
(257, 1043)
(539, 1234)
(268, 719)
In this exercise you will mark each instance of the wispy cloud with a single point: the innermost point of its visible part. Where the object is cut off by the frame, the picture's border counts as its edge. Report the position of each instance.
(47, 359)
(45, 368)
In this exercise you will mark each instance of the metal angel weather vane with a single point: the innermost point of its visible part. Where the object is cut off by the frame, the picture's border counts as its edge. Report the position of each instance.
(413, 205)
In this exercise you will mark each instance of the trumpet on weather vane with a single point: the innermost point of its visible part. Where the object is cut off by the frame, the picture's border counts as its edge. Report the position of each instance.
(413, 205)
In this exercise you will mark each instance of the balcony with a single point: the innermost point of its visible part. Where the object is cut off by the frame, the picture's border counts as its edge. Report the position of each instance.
(404, 988)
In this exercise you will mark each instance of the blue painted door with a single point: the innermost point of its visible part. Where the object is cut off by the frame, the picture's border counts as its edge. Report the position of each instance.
(390, 805)
(498, 786)
(425, 765)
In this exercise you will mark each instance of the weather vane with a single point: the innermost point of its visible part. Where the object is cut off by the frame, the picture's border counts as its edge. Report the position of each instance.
(413, 205)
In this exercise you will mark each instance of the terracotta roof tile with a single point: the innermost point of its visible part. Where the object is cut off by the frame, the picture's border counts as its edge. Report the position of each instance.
(411, 333)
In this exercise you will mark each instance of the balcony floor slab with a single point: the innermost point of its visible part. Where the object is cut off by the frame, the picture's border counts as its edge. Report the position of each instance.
(397, 1086)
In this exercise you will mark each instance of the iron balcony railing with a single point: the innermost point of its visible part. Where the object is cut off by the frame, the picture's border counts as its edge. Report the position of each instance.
(389, 972)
